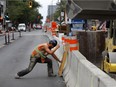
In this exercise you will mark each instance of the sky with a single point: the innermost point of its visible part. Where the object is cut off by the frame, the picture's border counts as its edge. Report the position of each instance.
(44, 8)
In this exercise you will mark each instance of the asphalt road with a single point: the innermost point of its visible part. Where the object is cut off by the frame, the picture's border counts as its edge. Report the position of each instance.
(15, 57)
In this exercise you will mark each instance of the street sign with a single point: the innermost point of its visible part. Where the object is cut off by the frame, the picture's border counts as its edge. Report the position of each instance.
(62, 18)
(72, 9)
(62, 13)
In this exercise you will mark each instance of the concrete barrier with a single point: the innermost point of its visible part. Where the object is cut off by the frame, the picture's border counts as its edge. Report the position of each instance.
(79, 72)
(60, 51)
(88, 75)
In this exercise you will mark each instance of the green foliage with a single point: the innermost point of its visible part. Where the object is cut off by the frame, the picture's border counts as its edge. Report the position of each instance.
(18, 11)
(61, 7)
(24, 0)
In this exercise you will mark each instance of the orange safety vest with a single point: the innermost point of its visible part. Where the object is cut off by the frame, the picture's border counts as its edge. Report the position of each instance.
(37, 51)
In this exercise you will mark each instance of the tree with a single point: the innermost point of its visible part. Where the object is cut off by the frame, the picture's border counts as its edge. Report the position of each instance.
(61, 7)
(18, 11)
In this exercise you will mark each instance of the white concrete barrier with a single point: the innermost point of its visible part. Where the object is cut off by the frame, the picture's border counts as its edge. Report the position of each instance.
(79, 72)
(86, 74)
(60, 51)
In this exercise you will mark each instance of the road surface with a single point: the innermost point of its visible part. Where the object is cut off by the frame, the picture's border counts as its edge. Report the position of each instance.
(15, 57)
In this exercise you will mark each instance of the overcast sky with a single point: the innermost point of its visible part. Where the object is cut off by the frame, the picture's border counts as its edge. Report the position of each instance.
(44, 8)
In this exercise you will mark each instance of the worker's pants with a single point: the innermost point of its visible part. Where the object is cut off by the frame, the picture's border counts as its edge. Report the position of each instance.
(33, 62)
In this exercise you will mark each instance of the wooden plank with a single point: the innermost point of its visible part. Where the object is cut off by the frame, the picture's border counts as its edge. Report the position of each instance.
(62, 64)
(63, 60)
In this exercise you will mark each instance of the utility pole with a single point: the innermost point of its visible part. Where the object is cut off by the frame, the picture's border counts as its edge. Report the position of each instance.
(60, 17)
(52, 11)
(0, 9)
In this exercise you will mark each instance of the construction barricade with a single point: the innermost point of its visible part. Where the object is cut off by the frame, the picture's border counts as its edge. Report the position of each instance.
(63, 38)
(77, 71)
(72, 41)
(54, 33)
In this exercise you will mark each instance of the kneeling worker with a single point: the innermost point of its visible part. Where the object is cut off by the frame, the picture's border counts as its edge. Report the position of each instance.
(39, 54)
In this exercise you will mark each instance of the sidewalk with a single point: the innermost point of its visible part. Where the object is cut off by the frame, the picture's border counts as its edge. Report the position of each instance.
(1, 33)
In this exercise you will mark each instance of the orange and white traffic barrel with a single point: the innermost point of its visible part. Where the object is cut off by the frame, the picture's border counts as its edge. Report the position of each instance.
(53, 33)
(63, 38)
(65, 42)
(74, 45)
(66, 39)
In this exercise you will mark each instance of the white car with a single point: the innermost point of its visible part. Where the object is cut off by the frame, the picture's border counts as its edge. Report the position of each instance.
(21, 27)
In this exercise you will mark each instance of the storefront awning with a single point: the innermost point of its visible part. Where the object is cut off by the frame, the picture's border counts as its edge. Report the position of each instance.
(91, 9)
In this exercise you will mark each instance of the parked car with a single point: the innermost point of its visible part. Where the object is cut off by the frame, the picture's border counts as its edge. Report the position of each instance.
(22, 27)
(38, 26)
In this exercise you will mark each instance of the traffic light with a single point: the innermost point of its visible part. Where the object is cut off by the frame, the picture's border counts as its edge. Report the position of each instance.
(6, 17)
(30, 4)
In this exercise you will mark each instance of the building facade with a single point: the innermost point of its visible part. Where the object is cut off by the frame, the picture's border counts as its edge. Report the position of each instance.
(51, 10)
(2, 8)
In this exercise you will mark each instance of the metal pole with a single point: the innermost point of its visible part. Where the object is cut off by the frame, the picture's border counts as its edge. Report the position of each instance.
(52, 11)
(5, 38)
(0, 8)
(60, 18)
(8, 37)
(13, 35)
(20, 33)
(4, 26)
(60, 21)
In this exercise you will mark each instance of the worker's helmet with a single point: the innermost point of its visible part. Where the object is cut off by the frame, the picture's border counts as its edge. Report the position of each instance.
(53, 42)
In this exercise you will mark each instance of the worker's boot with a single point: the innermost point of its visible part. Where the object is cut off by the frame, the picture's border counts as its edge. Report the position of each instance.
(50, 73)
(17, 76)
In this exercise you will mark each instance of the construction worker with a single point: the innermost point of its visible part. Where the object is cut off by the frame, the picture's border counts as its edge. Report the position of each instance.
(39, 54)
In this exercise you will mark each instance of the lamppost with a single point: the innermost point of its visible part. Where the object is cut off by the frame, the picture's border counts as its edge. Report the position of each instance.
(60, 17)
